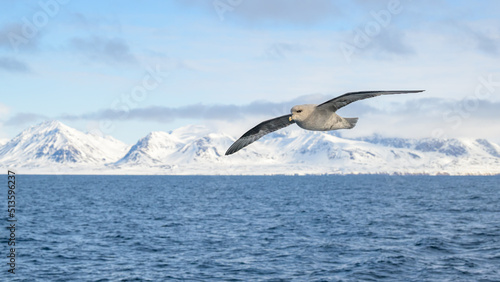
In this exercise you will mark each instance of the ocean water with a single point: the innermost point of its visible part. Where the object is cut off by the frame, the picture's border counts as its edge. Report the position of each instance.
(255, 228)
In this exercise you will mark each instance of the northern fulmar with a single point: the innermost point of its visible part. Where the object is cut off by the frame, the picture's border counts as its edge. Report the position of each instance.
(320, 117)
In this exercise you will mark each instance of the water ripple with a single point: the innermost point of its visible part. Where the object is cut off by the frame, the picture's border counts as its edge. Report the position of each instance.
(250, 228)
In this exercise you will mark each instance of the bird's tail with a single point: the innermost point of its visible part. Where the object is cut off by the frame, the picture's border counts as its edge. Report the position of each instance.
(351, 122)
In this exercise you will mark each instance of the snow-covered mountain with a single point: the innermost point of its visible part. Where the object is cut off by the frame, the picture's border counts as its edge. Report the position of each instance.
(197, 150)
(54, 145)
(3, 141)
(184, 145)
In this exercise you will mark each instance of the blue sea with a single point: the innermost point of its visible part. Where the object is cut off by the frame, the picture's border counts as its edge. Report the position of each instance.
(255, 228)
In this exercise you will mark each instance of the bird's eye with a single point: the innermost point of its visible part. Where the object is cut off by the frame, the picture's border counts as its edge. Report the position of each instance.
(299, 111)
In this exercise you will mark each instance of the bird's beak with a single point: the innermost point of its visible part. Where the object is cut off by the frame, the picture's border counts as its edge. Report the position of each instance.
(290, 118)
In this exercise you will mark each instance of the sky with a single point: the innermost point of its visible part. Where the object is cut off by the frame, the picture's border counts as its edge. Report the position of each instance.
(124, 68)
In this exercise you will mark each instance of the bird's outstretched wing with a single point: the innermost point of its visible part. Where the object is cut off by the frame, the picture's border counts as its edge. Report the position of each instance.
(344, 100)
(258, 131)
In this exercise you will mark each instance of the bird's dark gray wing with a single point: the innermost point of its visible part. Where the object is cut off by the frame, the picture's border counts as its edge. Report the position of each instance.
(344, 100)
(258, 131)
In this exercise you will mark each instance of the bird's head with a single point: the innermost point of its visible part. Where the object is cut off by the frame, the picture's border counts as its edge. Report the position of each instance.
(301, 112)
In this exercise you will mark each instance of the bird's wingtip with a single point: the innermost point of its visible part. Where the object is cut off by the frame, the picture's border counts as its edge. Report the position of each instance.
(230, 151)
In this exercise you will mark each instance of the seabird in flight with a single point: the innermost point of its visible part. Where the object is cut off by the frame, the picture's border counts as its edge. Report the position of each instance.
(320, 117)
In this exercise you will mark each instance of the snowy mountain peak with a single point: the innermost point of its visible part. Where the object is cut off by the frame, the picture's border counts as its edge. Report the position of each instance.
(55, 142)
(3, 141)
(182, 145)
(150, 149)
(51, 124)
(155, 138)
(449, 147)
(46, 127)
(189, 132)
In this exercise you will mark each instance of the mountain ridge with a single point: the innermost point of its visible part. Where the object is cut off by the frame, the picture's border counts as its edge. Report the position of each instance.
(54, 142)
(54, 148)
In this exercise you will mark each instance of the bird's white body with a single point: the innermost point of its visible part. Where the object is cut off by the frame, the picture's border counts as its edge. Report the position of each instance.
(319, 119)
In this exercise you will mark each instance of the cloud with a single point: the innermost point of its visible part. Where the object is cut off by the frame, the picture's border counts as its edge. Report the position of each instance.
(269, 11)
(100, 49)
(195, 111)
(383, 43)
(94, 23)
(424, 108)
(484, 42)
(421, 117)
(287, 11)
(24, 118)
(4, 110)
(13, 65)
(168, 114)
(83, 21)
(5, 31)
(392, 42)
(15, 36)
(470, 35)
(279, 51)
